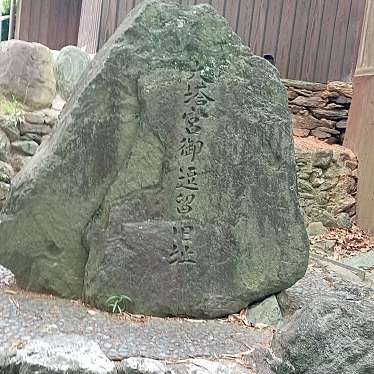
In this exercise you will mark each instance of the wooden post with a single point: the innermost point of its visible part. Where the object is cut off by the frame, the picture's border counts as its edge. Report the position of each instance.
(12, 19)
(360, 132)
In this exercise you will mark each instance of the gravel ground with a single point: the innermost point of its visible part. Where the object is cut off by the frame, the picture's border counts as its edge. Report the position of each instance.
(24, 316)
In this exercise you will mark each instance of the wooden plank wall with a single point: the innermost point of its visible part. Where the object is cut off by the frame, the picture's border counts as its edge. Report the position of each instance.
(360, 133)
(54, 23)
(314, 40)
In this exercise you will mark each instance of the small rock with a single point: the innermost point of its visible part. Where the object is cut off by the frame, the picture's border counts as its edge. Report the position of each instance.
(34, 117)
(6, 172)
(334, 106)
(301, 132)
(328, 130)
(69, 66)
(322, 158)
(142, 365)
(4, 146)
(305, 122)
(320, 134)
(18, 162)
(34, 137)
(266, 312)
(27, 147)
(335, 114)
(324, 245)
(303, 85)
(316, 228)
(312, 102)
(345, 204)
(10, 128)
(292, 94)
(351, 164)
(26, 127)
(342, 100)
(327, 123)
(51, 116)
(343, 220)
(342, 88)
(342, 124)
(363, 261)
(4, 191)
(331, 140)
(58, 103)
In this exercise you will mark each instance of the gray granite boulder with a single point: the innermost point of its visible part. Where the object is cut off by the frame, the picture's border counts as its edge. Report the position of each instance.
(169, 179)
(69, 66)
(329, 335)
(56, 355)
(27, 73)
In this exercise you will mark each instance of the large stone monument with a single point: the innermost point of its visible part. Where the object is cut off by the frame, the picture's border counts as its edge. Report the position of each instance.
(169, 179)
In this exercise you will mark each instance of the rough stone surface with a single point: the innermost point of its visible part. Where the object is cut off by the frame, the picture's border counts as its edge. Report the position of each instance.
(26, 317)
(333, 330)
(6, 172)
(363, 261)
(4, 146)
(9, 126)
(140, 365)
(321, 110)
(69, 66)
(316, 228)
(26, 147)
(56, 355)
(118, 159)
(266, 312)
(27, 73)
(329, 329)
(343, 220)
(326, 183)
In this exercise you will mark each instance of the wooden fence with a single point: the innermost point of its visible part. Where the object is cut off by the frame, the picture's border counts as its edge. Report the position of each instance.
(313, 40)
(54, 23)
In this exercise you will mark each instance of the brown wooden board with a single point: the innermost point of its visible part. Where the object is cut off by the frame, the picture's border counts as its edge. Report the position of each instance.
(44, 31)
(325, 45)
(231, 13)
(54, 23)
(89, 26)
(108, 20)
(339, 39)
(353, 38)
(315, 40)
(271, 37)
(298, 39)
(258, 26)
(312, 40)
(245, 20)
(285, 36)
(219, 5)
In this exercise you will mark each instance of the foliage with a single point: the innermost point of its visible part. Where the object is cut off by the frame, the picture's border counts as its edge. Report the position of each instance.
(118, 303)
(10, 107)
(5, 6)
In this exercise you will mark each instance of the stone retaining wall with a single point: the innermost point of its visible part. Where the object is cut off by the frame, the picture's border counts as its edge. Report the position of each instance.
(21, 133)
(319, 110)
(327, 182)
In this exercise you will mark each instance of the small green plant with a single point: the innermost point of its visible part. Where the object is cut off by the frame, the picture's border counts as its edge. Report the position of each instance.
(10, 107)
(118, 303)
